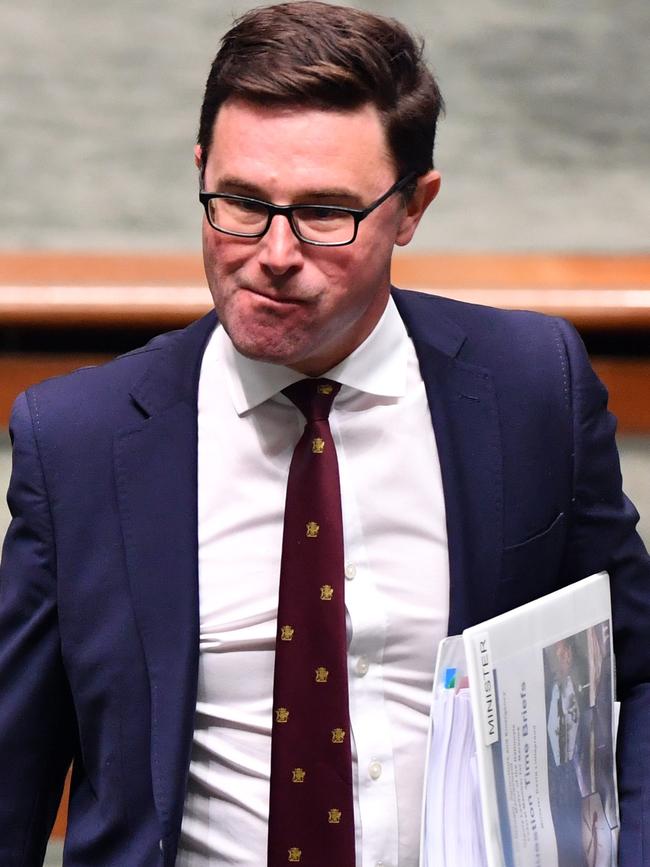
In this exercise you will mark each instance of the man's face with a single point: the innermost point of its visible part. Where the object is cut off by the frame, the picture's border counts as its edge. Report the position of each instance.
(282, 300)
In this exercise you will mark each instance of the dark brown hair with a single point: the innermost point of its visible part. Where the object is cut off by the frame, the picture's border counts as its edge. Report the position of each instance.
(318, 55)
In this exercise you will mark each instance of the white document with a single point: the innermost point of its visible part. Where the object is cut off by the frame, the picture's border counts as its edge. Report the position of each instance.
(521, 769)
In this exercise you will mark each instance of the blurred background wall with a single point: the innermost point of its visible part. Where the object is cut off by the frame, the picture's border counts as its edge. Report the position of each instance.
(545, 146)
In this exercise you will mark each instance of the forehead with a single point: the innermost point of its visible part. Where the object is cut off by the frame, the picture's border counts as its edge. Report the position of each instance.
(299, 147)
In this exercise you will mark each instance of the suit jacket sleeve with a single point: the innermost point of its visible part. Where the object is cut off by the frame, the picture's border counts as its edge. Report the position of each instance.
(603, 535)
(36, 719)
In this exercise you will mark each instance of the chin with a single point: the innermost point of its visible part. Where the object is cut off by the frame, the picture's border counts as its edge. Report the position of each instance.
(264, 349)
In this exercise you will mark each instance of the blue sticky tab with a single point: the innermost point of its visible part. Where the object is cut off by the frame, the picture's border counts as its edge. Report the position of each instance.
(450, 678)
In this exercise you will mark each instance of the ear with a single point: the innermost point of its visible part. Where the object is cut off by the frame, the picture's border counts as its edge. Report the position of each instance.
(197, 156)
(425, 192)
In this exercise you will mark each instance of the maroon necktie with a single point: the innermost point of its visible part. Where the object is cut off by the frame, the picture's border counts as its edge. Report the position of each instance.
(311, 818)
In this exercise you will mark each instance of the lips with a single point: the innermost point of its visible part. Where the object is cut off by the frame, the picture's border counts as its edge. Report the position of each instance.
(280, 300)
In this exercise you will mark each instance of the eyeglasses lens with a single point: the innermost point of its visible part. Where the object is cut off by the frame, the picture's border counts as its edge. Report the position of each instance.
(238, 215)
(324, 225)
(246, 217)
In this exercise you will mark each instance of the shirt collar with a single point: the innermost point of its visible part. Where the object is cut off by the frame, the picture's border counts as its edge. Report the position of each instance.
(378, 366)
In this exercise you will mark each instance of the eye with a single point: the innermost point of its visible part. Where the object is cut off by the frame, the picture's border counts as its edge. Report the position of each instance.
(245, 206)
(320, 214)
(233, 213)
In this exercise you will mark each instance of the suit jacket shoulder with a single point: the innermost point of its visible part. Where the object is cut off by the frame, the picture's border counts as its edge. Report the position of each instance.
(93, 398)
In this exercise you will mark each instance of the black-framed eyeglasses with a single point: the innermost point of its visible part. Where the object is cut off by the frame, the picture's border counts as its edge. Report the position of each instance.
(322, 225)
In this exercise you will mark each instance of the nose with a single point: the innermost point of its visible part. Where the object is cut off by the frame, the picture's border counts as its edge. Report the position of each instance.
(279, 249)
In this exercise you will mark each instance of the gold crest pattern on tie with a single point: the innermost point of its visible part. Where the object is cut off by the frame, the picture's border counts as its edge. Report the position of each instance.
(311, 817)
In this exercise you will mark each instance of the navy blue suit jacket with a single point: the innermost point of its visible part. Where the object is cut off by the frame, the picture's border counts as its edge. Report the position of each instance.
(99, 606)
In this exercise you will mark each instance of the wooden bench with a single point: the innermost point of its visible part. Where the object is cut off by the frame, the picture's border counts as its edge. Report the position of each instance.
(606, 297)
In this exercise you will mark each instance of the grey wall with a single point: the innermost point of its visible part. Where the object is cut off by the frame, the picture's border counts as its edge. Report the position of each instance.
(546, 144)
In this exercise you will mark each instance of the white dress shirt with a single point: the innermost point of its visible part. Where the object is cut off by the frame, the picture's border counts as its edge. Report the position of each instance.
(397, 592)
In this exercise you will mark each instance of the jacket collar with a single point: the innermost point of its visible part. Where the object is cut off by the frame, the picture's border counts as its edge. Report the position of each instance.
(173, 375)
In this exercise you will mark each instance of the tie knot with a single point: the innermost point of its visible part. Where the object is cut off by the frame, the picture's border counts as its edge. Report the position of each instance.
(313, 397)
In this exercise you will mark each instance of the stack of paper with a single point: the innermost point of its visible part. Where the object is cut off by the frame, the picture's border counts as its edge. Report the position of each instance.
(521, 769)
(454, 830)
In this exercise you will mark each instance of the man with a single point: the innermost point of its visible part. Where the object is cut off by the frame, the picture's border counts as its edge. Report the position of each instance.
(139, 617)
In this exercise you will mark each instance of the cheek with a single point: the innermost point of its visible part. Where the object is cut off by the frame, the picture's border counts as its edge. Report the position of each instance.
(209, 255)
(355, 273)
(338, 268)
(220, 256)
(211, 244)
(216, 273)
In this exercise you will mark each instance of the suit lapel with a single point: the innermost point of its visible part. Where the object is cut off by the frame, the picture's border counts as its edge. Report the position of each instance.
(465, 420)
(156, 477)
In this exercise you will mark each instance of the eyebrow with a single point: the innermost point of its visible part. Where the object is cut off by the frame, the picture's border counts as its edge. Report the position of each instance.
(238, 186)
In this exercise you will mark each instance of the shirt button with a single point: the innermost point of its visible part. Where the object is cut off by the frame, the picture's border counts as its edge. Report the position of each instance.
(374, 769)
(350, 571)
(362, 666)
